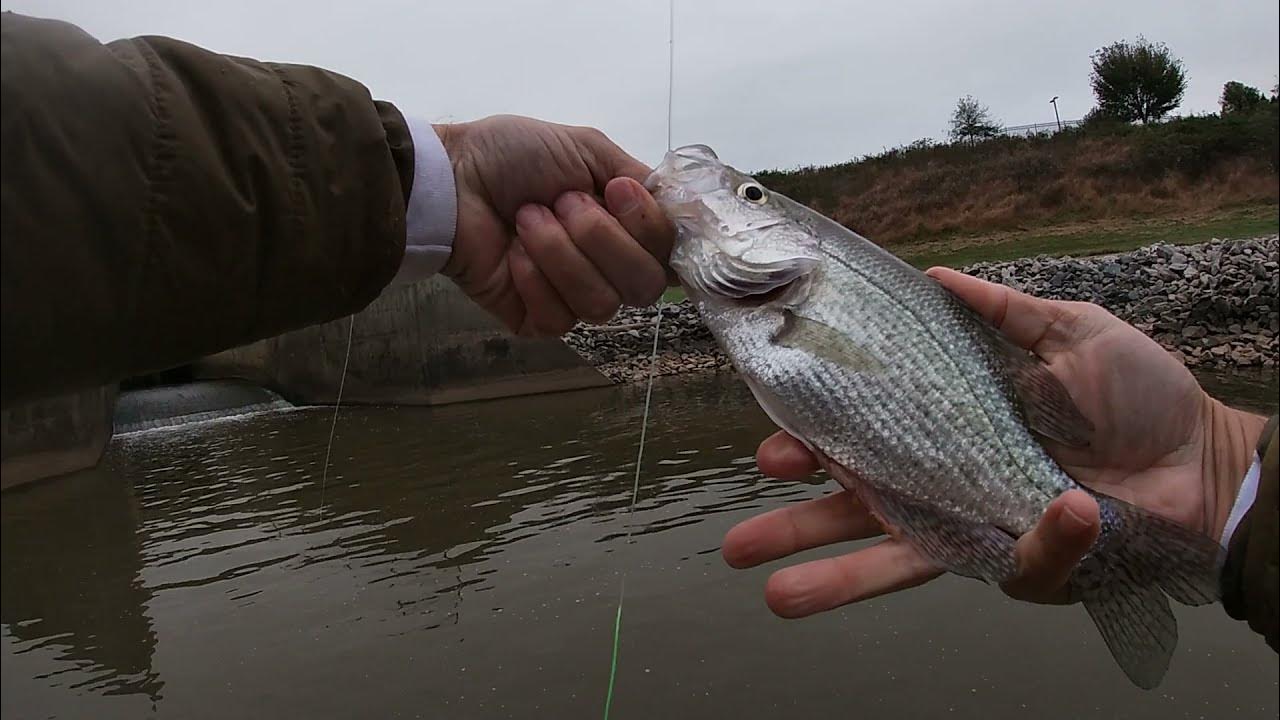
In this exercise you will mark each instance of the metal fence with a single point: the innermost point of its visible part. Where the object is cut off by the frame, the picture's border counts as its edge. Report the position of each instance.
(1039, 128)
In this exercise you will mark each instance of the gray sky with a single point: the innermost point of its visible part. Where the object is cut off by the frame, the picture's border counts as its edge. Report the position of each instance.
(767, 84)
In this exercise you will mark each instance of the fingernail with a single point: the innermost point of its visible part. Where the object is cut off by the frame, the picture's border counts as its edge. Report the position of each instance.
(623, 197)
(530, 216)
(1072, 523)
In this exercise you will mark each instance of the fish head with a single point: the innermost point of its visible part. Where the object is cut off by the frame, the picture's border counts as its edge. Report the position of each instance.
(737, 242)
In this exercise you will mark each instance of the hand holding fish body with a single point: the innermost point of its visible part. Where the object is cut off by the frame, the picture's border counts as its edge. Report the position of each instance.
(914, 402)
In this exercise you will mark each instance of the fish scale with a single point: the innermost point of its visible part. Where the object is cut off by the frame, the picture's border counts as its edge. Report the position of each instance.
(912, 401)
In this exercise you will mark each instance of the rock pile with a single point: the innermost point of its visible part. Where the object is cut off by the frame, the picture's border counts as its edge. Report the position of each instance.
(621, 349)
(1213, 304)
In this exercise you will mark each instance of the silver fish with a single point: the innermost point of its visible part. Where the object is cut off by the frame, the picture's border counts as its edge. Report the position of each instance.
(913, 401)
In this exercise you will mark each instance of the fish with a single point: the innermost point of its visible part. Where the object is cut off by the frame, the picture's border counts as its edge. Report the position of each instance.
(914, 402)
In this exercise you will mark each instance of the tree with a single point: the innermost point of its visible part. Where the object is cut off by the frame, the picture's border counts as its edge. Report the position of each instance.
(972, 121)
(1239, 98)
(1138, 80)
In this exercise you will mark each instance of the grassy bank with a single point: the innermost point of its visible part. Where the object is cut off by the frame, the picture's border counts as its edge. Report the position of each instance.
(1093, 238)
(1192, 168)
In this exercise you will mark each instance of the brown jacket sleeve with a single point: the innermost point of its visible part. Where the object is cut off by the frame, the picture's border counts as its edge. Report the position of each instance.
(1250, 578)
(161, 202)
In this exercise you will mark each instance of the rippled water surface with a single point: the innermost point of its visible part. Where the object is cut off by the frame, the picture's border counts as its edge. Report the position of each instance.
(464, 562)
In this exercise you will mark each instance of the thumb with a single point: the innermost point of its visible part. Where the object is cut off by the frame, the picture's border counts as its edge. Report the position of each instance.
(1047, 555)
(1023, 319)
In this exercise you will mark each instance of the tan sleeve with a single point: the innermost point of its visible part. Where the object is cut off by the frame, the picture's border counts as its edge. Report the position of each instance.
(162, 202)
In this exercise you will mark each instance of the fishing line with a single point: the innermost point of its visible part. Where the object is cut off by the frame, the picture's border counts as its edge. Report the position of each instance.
(337, 403)
(671, 64)
(648, 392)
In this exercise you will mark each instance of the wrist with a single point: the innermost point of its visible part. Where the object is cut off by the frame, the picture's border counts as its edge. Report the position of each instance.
(431, 210)
(1231, 437)
(452, 136)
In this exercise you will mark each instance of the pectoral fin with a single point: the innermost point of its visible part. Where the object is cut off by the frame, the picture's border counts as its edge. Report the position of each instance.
(824, 341)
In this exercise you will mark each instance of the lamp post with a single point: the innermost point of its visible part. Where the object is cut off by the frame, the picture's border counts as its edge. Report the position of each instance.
(1054, 103)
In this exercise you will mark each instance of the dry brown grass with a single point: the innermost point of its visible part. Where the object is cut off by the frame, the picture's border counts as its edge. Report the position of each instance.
(1181, 168)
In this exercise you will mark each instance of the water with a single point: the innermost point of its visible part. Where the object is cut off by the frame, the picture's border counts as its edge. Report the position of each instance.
(465, 565)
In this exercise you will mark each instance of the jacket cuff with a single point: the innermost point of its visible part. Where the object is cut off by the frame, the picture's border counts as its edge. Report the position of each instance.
(431, 213)
(1244, 500)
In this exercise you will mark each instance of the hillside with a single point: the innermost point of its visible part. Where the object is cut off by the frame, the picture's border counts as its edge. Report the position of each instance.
(1094, 186)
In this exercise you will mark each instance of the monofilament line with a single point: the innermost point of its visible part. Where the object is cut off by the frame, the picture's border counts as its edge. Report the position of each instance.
(631, 508)
(337, 403)
(671, 64)
(648, 390)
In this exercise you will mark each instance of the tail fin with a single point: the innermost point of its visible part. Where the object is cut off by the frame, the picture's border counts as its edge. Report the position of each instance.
(1139, 557)
(1139, 629)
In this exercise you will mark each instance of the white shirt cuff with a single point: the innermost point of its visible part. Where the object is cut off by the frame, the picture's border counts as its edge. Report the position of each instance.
(431, 216)
(1244, 500)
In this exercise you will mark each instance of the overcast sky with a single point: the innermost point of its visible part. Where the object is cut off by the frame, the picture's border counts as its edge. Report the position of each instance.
(767, 84)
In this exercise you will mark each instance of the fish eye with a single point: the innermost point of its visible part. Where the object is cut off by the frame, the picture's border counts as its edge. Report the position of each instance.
(752, 193)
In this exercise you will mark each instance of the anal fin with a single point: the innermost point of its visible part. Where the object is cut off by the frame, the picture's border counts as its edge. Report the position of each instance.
(961, 546)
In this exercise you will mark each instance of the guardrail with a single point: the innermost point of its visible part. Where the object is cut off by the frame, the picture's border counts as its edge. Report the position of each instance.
(1038, 128)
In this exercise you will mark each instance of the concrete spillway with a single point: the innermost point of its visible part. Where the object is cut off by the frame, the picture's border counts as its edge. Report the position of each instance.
(423, 344)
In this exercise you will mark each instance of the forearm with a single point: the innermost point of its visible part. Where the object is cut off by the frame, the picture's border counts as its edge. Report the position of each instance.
(161, 202)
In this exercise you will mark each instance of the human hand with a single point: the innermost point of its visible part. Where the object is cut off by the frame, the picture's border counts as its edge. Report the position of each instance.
(534, 245)
(1160, 442)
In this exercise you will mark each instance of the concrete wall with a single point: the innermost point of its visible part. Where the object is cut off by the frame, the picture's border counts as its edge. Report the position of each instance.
(171, 405)
(54, 436)
(424, 344)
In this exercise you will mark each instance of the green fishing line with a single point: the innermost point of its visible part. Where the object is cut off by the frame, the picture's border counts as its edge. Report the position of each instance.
(648, 393)
(613, 663)
(631, 508)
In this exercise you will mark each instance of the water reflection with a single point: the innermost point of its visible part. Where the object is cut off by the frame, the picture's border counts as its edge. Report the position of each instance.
(464, 561)
(72, 590)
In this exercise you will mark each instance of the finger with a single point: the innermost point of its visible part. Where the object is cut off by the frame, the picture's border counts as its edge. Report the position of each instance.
(1047, 555)
(574, 277)
(640, 216)
(606, 160)
(821, 585)
(1024, 319)
(787, 530)
(545, 312)
(637, 276)
(786, 458)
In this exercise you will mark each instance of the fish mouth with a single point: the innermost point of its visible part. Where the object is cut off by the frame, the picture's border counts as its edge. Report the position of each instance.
(686, 171)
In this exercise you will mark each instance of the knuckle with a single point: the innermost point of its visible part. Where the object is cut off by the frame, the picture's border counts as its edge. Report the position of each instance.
(592, 134)
(591, 222)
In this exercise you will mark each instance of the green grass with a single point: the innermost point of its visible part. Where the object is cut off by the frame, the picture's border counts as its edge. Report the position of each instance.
(1091, 239)
(673, 295)
(1097, 238)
